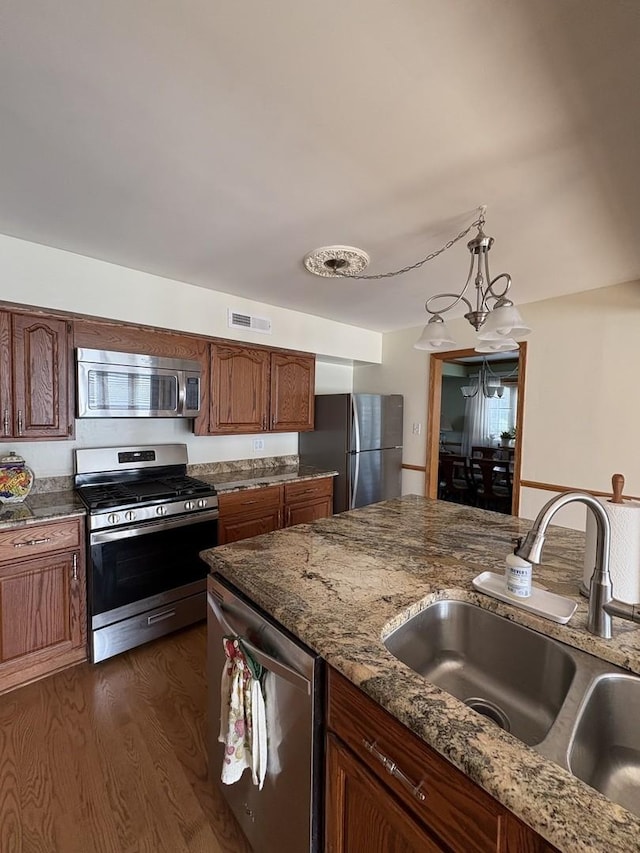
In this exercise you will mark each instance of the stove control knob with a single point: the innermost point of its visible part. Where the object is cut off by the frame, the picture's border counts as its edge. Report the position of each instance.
(130, 515)
(161, 510)
(202, 503)
(113, 518)
(189, 505)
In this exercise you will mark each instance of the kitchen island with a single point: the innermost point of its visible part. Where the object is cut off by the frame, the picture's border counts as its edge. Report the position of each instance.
(342, 584)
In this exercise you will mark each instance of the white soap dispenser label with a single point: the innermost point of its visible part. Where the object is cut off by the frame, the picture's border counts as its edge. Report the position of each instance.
(518, 576)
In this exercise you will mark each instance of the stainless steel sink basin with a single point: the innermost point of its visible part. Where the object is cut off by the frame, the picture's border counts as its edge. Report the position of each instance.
(570, 706)
(605, 746)
(515, 676)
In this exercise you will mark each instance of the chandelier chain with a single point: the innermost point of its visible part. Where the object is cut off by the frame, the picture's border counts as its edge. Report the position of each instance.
(477, 223)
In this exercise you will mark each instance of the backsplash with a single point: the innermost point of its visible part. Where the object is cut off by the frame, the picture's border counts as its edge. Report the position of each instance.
(43, 485)
(242, 466)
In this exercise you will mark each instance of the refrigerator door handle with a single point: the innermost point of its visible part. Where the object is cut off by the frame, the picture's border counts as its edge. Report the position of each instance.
(269, 663)
(356, 476)
(356, 424)
(355, 456)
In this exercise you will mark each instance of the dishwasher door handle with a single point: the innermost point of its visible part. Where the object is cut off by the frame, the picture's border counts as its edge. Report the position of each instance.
(269, 663)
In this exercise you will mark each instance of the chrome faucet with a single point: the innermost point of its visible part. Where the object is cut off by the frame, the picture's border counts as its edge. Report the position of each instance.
(602, 605)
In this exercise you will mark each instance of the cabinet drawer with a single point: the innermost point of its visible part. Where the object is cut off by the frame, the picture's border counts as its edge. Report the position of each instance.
(249, 500)
(35, 539)
(308, 490)
(456, 809)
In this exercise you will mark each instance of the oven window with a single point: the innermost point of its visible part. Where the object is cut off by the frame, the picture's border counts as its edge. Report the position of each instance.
(133, 568)
(118, 390)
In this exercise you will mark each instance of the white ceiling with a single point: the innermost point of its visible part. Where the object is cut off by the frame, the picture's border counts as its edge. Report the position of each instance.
(217, 142)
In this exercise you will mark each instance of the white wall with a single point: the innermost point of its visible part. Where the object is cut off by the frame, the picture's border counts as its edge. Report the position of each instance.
(582, 407)
(51, 278)
(333, 377)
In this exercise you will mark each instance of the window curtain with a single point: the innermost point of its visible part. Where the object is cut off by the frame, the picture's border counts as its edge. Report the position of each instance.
(476, 422)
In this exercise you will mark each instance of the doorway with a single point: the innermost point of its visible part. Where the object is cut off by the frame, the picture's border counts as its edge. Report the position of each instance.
(463, 476)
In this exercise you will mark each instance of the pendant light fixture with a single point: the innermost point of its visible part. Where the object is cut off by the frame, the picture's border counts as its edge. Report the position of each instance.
(492, 314)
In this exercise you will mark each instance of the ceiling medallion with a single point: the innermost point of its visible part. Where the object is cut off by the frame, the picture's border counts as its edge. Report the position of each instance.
(337, 261)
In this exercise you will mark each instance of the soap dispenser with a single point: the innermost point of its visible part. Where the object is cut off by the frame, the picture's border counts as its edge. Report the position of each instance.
(518, 574)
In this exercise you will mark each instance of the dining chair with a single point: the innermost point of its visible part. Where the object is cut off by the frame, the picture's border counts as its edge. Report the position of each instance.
(492, 491)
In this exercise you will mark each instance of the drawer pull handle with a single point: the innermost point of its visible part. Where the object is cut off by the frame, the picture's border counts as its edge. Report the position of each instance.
(30, 542)
(251, 502)
(159, 617)
(74, 566)
(20, 422)
(5, 422)
(392, 768)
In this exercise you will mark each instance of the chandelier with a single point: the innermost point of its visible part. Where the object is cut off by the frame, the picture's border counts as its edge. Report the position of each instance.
(492, 314)
(487, 381)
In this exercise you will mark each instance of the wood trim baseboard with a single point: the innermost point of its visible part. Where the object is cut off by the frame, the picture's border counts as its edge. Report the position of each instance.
(554, 487)
(408, 467)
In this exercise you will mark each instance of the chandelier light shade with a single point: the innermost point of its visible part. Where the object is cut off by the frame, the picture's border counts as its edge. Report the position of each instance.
(435, 335)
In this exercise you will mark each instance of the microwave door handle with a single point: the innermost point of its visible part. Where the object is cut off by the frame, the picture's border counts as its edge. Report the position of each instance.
(182, 392)
(269, 663)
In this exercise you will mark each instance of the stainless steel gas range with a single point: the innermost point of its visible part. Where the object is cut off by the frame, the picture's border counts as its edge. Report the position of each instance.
(147, 522)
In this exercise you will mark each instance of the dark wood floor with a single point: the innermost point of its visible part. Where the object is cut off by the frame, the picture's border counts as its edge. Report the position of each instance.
(112, 758)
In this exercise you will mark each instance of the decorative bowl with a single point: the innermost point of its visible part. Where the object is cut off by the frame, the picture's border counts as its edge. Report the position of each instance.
(16, 479)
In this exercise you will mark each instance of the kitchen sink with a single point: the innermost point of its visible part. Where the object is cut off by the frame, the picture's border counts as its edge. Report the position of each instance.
(605, 746)
(569, 706)
(514, 676)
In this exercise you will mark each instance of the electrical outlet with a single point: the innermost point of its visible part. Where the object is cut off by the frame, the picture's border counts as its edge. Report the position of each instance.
(258, 445)
(417, 429)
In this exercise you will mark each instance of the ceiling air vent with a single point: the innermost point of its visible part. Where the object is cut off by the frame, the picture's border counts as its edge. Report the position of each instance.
(246, 321)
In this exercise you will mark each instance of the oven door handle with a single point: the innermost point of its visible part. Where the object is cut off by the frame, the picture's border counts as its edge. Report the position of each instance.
(152, 527)
(269, 663)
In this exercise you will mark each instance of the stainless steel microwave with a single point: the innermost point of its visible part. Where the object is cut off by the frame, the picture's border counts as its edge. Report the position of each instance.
(123, 385)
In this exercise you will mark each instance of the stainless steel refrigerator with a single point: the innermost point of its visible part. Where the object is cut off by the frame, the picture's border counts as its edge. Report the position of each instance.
(360, 436)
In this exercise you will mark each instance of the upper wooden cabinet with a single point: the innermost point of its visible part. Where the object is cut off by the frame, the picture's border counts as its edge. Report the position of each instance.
(292, 392)
(239, 389)
(36, 384)
(257, 390)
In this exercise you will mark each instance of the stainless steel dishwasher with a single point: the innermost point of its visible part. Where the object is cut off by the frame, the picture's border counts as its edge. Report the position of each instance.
(286, 814)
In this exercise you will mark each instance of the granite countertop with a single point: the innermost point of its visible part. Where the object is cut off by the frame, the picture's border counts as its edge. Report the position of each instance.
(50, 505)
(341, 584)
(235, 481)
(38, 508)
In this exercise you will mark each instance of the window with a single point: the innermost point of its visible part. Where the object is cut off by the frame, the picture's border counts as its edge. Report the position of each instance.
(501, 412)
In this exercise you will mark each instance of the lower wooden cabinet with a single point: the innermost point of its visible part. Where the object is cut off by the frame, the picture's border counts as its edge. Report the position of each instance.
(262, 510)
(249, 513)
(307, 501)
(361, 815)
(42, 600)
(387, 791)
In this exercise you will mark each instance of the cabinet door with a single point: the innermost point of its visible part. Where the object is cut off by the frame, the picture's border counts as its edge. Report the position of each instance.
(41, 370)
(303, 513)
(362, 816)
(308, 500)
(239, 389)
(292, 392)
(6, 377)
(237, 527)
(42, 616)
(249, 512)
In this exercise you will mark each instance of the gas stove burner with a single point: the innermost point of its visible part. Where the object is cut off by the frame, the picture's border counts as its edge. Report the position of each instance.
(130, 485)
